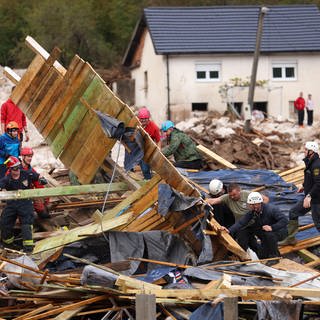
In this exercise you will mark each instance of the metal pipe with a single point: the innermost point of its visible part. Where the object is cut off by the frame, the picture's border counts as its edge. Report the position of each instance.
(168, 89)
(263, 11)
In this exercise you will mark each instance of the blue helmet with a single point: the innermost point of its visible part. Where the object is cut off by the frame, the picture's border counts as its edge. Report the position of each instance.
(167, 125)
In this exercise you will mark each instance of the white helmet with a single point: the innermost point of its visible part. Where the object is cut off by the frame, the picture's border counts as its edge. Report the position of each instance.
(215, 186)
(254, 197)
(313, 146)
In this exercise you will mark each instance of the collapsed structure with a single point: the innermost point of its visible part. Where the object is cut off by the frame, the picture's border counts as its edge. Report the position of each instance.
(163, 222)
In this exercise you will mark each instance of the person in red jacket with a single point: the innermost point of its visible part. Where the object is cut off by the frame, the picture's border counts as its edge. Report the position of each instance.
(154, 132)
(11, 112)
(40, 205)
(300, 105)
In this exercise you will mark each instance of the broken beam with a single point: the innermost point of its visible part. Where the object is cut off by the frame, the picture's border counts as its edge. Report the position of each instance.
(64, 190)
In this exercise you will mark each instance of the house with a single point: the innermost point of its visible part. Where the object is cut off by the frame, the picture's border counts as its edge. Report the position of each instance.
(185, 59)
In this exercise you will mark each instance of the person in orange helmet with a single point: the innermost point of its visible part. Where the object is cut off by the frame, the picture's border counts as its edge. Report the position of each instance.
(11, 112)
(9, 145)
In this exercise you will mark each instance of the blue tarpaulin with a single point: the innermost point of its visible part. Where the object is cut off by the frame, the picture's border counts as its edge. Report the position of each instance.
(281, 194)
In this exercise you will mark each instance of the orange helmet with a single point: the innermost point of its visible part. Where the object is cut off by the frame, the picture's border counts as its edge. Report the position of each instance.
(12, 125)
(26, 151)
(12, 162)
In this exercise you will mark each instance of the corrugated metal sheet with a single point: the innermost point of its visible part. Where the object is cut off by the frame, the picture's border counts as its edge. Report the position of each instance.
(232, 29)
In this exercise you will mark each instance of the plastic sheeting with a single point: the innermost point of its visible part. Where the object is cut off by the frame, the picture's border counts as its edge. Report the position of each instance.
(281, 193)
(208, 312)
(172, 200)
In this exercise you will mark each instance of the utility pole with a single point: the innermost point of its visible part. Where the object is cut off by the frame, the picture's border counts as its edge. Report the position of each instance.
(248, 108)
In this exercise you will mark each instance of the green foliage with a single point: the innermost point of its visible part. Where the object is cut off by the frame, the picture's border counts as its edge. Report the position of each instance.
(97, 30)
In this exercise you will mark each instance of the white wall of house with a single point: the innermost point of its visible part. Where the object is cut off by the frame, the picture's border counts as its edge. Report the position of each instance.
(151, 82)
(185, 89)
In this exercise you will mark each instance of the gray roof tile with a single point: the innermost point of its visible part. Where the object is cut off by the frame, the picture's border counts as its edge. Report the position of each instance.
(232, 29)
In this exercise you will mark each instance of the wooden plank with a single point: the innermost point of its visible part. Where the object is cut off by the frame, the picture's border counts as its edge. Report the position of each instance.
(80, 77)
(69, 314)
(51, 80)
(121, 172)
(35, 311)
(53, 107)
(64, 190)
(135, 224)
(246, 292)
(72, 306)
(303, 244)
(307, 255)
(11, 75)
(36, 48)
(215, 157)
(21, 92)
(90, 157)
(36, 83)
(81, 233)
(128, 282)
(127, 203)
(69, 128)
(228, 241)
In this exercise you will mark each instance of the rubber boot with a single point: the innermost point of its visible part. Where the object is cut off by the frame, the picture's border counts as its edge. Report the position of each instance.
(293, 226)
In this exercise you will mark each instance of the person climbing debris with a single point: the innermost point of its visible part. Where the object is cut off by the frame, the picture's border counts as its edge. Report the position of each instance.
(311, 189)
(9, 145)
(263, 221)
(181, 146)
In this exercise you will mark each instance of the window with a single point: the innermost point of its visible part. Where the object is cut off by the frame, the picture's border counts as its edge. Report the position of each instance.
(284, 71)
(200, 106)
(208, 71)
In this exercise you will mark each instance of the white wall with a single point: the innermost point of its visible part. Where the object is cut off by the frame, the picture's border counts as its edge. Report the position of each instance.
(154, 95)
(185, 89)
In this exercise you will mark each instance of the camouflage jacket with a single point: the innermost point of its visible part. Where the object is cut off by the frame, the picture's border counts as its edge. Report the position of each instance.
(181, 146)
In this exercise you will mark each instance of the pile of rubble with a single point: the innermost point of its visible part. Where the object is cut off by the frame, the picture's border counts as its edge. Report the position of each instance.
(271, 144)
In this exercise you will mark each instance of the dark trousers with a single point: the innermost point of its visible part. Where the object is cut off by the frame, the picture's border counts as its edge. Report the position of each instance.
(310, 117)
(146, 171)
(22, 209)
(300, 117)
(195, 164)
(3, 170)
(298, 210)
(269, 241)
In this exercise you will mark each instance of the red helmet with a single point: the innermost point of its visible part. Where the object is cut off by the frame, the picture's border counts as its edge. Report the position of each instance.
(144, 113)
(12, 125)
(26, 151)
(12, 162)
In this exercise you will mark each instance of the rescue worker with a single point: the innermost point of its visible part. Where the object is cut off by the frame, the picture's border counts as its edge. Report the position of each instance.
(40, 205)
(311, 189)
(221, 211)
(264, 221)
(11, 112)
(17, 179)
(181, 147)
(9, 145)
(154, 132)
